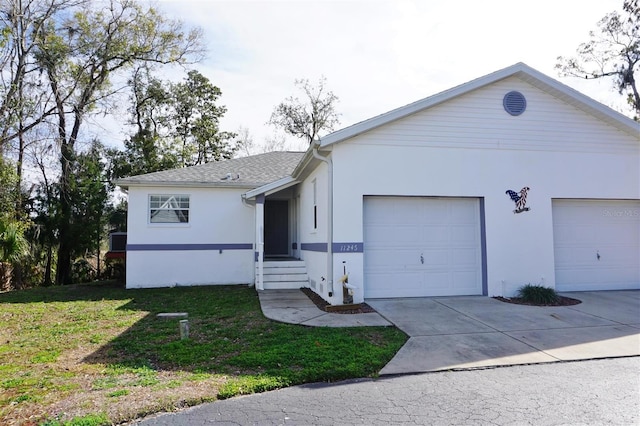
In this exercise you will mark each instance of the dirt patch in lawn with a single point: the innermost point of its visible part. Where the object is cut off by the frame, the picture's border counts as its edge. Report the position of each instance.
(562, 301)
(322, 304)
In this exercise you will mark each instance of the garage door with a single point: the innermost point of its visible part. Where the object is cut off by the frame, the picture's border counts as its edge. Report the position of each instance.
(596, 244)
(416, 247)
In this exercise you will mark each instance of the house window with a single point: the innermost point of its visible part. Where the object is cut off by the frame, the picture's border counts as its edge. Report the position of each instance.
(169, 209)
(315, 206)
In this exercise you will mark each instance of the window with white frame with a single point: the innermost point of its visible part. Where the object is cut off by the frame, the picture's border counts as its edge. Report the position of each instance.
(168, 208)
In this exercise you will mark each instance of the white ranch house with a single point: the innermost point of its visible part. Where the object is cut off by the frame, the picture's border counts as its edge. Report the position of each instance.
(412, 202)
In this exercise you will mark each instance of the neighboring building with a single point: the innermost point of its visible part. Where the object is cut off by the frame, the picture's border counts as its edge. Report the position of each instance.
(429, 199)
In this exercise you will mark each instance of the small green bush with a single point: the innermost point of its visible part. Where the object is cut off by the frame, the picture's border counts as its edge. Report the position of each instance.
(82, 271)
(538, 295)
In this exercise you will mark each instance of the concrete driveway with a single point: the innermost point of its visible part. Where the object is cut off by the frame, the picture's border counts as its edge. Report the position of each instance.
(473, 332)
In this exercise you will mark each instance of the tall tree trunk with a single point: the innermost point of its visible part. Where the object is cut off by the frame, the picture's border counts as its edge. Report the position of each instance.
(63, 268)
(5, 276)
(47, 270)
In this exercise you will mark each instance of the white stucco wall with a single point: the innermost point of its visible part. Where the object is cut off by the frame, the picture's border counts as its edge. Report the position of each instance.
(217, 218)
(315, 259)
(470, 147)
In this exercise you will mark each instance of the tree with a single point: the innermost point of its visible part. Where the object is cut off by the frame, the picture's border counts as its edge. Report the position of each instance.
(90, 199)
(177, 126)
(145, 151)
(44, 208)
(13, 245)
(23, 105)
(309, 117)
(612, 51)
(8, 194)
(194, 120)
(79, 54)
(245, 141)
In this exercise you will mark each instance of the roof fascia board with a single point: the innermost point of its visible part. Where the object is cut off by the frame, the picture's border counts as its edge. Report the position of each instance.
(308, 161)
(271, 188)
(126, 184)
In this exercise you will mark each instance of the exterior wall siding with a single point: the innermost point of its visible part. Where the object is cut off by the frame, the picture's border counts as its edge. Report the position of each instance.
(312, 239)
(470, 147)
(478, 120)
(215, 247)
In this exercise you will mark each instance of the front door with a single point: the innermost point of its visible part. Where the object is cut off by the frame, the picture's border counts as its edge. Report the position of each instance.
(276, 228)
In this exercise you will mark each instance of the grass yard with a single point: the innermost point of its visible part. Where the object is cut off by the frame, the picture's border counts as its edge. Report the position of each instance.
(96, 354)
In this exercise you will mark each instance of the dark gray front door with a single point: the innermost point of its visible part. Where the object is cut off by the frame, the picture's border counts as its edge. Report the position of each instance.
(276, 228)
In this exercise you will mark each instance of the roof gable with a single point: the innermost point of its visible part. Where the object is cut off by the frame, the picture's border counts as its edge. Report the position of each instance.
(520, 70)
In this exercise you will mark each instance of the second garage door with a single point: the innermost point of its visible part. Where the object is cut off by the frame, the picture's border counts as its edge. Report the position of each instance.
(416, 247)
(596, 244)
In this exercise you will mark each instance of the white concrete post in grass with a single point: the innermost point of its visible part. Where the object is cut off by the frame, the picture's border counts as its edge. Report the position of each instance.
(184, 329)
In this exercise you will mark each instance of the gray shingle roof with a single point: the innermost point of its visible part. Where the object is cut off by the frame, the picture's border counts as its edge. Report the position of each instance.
(249, 172)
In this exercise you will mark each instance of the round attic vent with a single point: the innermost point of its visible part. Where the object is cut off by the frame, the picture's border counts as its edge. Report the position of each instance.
(514, 103)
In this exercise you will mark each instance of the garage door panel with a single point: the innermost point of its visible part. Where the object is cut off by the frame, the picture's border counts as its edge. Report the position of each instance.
(575, 235)
(433, 236)
(465, 257)
(434, 213)
(596, 244)
(390, 285)
(464, 211)
(571, 257)
(464, 235)
(462, 280)
(402, 215)
(400, 235)
(436, 283)
(391, 260)
(592, 279)
(443, 257)
(434, 258)
(614, 232)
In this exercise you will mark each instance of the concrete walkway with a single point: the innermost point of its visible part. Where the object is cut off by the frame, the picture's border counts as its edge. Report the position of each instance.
(471, 332)
(295, 307)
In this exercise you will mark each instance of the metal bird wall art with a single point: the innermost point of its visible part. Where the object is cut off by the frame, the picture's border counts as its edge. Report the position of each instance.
(520, 199)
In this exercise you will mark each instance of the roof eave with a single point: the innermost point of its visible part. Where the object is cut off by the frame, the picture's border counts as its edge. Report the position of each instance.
(271, 188)
(237, 185)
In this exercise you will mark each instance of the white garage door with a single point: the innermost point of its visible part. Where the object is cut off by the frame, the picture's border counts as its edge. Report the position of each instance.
(416, 247)
(596, 244)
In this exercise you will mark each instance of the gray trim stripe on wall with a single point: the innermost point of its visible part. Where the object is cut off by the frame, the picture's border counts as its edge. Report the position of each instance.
(337, 247)
(184, 247)
(314, 247)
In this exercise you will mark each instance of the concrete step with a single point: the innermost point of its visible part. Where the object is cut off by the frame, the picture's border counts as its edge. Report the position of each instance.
(285, 274)
(274, 270)
(285, 285)
(285, 277)
(283, 264)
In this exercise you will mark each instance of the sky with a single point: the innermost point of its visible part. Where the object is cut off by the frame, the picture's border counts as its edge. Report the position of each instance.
(376, 55)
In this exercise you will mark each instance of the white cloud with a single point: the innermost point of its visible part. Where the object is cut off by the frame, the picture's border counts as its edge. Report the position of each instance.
(378, 55)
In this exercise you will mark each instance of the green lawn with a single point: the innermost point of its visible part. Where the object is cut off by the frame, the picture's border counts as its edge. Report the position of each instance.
(97, 353)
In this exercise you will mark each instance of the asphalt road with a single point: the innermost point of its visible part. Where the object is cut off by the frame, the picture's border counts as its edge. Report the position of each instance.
(572, 393)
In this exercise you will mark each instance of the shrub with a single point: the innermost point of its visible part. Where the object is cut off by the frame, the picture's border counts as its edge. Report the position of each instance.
(82, 271)
(538, 294)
